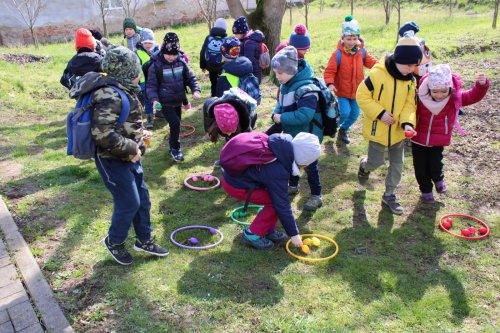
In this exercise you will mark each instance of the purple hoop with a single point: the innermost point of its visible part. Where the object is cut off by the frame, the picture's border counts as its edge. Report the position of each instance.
(186, 183)
(206, 247)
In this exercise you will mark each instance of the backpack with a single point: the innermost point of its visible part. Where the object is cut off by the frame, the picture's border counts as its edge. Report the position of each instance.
(244, 150)
(327, 106)
(213, 54)
(264, 56)
(248, 83)
(79, 124)
(338, 56)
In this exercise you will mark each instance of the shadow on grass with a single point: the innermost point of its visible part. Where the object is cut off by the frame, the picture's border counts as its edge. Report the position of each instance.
(377, 261)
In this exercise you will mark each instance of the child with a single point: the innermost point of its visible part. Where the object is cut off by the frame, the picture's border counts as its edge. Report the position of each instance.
(170, 91)
(343, 78)
(213, 42)
(250, 43)
(86, 59)
(119, 152)
(234, 69)
(267, 184)
(440, 97)
(145, 49)
(387, 98)
(296, 112)
(426, 62)
(131, 36)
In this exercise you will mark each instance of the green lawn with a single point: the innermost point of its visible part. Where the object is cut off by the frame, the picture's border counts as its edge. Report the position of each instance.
(392, 274)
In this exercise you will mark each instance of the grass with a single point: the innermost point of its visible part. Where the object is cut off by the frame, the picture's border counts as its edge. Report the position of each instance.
(393, 274)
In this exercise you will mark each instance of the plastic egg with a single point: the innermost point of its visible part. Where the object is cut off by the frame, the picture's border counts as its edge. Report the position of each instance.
(212, 231)
(446, 225)
(315, 241)
(307, 241)
(306, 249)
(194, 178)
(450, 221)
(193, 241)
(482, 230)
(210, 178)
(466, 232)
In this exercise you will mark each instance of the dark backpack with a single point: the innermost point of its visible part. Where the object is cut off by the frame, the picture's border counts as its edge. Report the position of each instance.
(264, 56)
(244, 150)
(79, 124)
(213, 54)
(327, 106)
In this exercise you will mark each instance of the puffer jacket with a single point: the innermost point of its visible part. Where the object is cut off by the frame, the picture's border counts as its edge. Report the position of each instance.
(386, 89)
(437, 129)
(84, 61)
(250, 48)
(297, 115)
(240, 67)
(348, 76)
(114, 143)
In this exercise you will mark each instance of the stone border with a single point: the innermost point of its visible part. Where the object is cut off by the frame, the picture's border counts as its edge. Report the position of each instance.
(40, 291)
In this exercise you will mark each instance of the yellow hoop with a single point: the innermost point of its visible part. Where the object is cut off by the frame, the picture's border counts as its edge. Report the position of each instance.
(287, 247)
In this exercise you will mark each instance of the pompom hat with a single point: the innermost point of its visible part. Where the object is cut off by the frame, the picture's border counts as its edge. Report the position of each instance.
(350, 27)
(231, 47)
(409, 26)
(306, 148)
(440, 77)
(299, 38)
(240, 26)
(171, 44)
(226, 117)
(83, 38)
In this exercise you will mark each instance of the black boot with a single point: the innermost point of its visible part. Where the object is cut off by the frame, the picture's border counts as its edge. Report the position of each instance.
(343, 136)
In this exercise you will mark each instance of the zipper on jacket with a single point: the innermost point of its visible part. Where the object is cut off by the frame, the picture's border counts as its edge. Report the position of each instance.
(392, 110)
(374, 127)
(380, 93)
(446, 124)
(429, 131)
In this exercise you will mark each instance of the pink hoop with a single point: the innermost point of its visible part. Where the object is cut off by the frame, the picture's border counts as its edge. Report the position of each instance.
(201, 177)
(467, 217)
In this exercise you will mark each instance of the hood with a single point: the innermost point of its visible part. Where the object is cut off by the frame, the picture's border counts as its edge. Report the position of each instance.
(304, 75)
(218, 32)
(257, 36)
(360, 44)
(241, 66)
(90, 82)
(281, 146)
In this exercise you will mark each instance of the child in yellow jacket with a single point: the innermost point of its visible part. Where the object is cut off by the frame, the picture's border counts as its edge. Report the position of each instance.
(387, 99)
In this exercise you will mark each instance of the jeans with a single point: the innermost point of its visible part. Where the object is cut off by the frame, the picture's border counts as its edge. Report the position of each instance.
(349, 112)
(376, 157)
(312, 171)
(148, 107)
(173, 116)
(125, 181)
(428, 165)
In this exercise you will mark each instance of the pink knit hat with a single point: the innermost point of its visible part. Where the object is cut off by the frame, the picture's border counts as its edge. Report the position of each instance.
(440, 77)
(226, 117)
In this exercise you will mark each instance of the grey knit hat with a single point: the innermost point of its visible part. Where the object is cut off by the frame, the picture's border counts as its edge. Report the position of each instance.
(286, 60)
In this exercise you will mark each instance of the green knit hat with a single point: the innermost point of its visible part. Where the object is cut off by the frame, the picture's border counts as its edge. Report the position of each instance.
(122, 64)
(129, 22)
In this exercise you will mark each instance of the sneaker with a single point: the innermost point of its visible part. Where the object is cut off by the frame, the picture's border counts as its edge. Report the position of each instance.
(441, 187)
(150, 247)
(393, 204)
(217, 164)
(118, 252)
(313, 203)
(343, 136)
(428, 197)
(177, 155)
(276, 236)
(255, 241)
(292, 190)
(363, 175)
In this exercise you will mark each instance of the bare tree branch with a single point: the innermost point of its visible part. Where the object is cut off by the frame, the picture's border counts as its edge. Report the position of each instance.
(130, 7)
(29, 10)
(104, 12)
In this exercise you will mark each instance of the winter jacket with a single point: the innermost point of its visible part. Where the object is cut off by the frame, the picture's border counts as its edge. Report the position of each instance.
(176, 76)
(348, 76)
(437, 129)
(250, 48)
(297, 115)
(274, 178)
(386, 89)
(85, 60)
(114, 143)
(214, 32)
(240, 67)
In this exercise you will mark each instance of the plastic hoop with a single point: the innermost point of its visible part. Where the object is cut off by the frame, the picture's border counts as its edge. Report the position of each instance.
(190, 132)
(202, 177)
(287, 247)
(234, 214)
(467, 217)
(206, 247)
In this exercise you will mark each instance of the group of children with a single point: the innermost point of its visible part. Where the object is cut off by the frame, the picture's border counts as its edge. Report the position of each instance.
(387, 96)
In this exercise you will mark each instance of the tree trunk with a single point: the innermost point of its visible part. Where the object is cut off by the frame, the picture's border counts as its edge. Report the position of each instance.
(321, 6)
(495, 14)
(291, 19)
(33, 36)
(235, 8)
(398, 8)
(306, 4)
(387, 10)
(450, 4)
(352, 7)
(104, 26)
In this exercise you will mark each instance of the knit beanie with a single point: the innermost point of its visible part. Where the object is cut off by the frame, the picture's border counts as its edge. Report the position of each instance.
(408, 50)
(306, 148)
(122, 64)
(286, 60)
(299, 38)
(240, 26)
(230, 47)
(147, 35)
(83, 38)
(129, 22)
(221, 23)
(226, 117)
(170, 44)
(408, 26)
(350, 27)
(440, 77)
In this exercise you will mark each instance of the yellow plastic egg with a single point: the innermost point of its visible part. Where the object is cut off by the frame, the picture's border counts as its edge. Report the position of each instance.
(315, 241)
(306, 249)
(307, 241)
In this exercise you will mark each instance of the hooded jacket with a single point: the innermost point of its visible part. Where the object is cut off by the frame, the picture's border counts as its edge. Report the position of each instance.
(84, 61)
(114, 143)
(214, 32)
(386, 89)
(239, 67)
(274, 178)
(250, 48)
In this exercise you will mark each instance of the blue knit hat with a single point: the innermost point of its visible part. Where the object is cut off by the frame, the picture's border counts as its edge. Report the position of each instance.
(230, 47)
(409, 26)
(299, 38)
(240, 26)
(408, 50)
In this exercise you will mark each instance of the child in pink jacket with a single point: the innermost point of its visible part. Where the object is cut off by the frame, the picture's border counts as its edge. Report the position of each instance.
(440, 98)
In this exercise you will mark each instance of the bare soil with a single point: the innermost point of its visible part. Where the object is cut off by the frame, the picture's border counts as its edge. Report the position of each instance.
(22, 59)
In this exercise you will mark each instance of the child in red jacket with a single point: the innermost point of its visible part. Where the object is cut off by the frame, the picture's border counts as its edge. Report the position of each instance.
(440, 98)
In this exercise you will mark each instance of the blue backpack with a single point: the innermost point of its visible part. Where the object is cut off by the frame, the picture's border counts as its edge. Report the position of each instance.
(338, 56)
(79, 124)
(213, 54)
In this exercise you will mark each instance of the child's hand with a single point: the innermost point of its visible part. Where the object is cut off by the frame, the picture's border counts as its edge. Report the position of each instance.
(196, 95)
(155, 103)
(408, 128)
(277, 118)
(481, 78)
(331, 87)
(387, 118)
(137, 156)
(147, 134)
(187, 107)
(297, 241)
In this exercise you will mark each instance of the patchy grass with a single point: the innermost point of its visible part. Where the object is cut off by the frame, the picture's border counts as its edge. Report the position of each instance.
(393, 273)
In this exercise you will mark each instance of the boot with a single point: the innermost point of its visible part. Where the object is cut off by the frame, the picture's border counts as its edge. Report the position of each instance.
(150, 120)
(343, 136)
